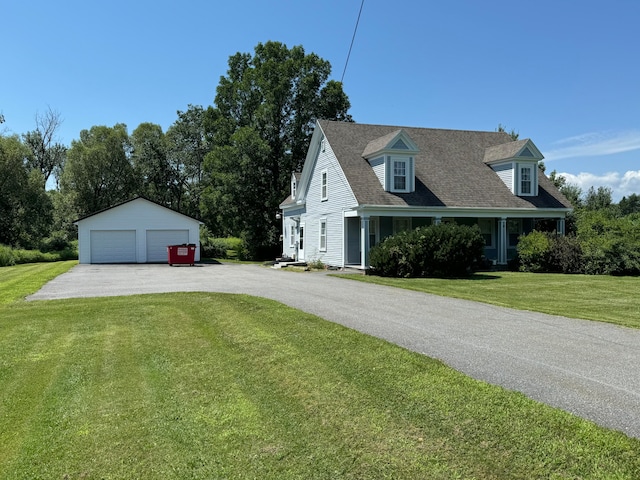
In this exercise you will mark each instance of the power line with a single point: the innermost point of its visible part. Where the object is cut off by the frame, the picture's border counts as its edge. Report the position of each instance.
(352, 40)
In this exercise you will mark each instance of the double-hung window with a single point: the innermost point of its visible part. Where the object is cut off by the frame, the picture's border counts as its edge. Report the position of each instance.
(525, 181)
(399, 175)
(292, 235)
(323, 235)
(323, 185)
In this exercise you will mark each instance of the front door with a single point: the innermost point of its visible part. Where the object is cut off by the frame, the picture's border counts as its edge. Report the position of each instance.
(301, 242)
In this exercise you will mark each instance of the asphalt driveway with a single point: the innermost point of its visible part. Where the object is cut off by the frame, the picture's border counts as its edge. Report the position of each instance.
(590, 369)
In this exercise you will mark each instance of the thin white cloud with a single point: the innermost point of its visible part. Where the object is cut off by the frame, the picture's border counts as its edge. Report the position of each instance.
(594, 144)
(622, 185)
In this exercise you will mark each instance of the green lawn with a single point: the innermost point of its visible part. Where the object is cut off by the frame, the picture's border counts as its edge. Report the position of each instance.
(21, 280)
(201, 385)
(591, 297)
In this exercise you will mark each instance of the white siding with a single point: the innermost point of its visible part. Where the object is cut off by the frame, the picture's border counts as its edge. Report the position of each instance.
(339, 198)
(505, 172)
(378, 164)
(139, 215)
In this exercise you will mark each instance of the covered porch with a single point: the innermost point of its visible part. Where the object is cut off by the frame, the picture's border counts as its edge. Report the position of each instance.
(364, 229)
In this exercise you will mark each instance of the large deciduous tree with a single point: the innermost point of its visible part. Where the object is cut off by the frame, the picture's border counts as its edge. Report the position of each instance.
(149, 158)
(187, 146)
(268, 101)
(48, 155)
(25, 208)
(98, 172)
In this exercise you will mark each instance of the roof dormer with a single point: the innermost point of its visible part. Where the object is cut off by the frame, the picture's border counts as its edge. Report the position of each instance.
(392, 158)
(516, 163)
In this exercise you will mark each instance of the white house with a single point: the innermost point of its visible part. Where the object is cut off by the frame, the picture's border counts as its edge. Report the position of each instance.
(362, 183)
(136, 231)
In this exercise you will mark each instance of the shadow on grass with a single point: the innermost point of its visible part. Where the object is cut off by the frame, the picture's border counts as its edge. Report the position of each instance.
(484, 276)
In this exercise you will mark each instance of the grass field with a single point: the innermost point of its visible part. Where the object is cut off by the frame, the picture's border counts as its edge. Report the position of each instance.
(592, 297)
(200, 385)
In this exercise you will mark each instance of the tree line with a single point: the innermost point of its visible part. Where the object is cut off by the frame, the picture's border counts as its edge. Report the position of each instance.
(227, 164)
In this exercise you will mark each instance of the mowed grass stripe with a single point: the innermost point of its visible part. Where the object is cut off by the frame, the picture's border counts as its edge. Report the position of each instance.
(230, 386)
(21, 280)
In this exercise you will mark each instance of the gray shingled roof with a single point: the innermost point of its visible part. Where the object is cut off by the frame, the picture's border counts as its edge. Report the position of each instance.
(378, 144)
(504, 151)
(450, 168)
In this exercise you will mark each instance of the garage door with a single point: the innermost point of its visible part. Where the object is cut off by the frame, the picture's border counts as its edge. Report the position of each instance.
(157, 241)
(113, 246)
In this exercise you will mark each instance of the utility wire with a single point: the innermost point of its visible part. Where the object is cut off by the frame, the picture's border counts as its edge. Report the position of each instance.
(352, 39)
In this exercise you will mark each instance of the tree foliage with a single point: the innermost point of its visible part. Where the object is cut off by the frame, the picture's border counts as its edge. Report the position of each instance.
(158, 181)
(47, 154)
(99, 172)
(572, 192)
(268, 101)
(630, 204)
(25, 209)
(187, 146)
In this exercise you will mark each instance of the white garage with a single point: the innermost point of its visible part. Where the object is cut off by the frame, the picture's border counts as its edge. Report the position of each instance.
(137, 231)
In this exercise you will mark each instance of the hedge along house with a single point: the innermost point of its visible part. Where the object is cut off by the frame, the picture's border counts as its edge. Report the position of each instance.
(361, 183)
(135, 231)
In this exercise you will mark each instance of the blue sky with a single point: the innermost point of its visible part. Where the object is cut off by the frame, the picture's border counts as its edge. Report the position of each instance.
(563, 73)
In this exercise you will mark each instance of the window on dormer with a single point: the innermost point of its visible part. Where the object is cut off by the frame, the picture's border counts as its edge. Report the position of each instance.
(399, 175)
(525, 180)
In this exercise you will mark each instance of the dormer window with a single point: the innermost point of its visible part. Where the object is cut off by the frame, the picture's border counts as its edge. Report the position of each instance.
(399, 175)
(516, 163)
(525, 180)
(392, 159)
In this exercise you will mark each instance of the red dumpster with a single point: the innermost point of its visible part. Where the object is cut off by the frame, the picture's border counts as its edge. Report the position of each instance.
(181, 254)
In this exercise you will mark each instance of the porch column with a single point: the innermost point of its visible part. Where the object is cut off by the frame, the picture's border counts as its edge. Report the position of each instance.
(437, 220)
(502, 241)
(364, 242)
(560, 226)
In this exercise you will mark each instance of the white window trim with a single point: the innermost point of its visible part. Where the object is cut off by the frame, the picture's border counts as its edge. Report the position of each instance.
(322, 236)
(533, 179)
(292, 235)
(409, 173)
(324, 185)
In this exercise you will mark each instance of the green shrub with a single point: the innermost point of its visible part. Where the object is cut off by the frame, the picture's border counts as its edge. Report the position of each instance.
(610, 244)
(565, 255)
(533, 251)
(56, 242)
(445, 250)
(7, 258)
(14, 256)
(213, 247)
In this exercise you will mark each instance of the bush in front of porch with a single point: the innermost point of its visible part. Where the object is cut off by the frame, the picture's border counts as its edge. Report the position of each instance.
(444, 250)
